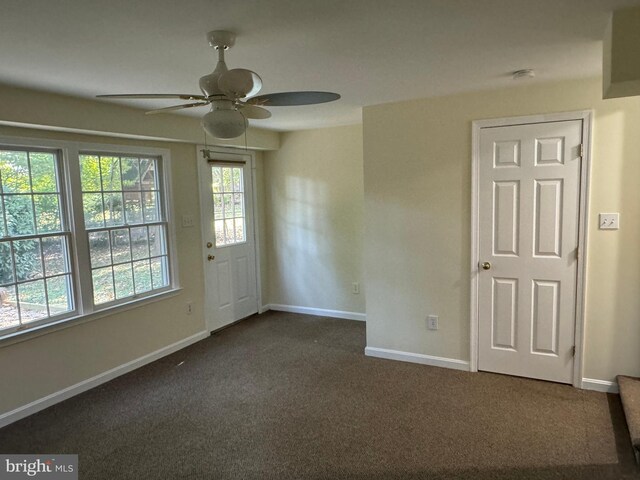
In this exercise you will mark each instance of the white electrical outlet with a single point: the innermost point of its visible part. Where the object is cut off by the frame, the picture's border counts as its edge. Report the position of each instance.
(355, 288)
(189, 308)
(609, 221)
(432, 322)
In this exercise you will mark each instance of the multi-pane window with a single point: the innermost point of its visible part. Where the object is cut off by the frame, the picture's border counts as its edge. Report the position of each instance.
(80, 231)
(35, 269)
(125, 224)
(228, 205)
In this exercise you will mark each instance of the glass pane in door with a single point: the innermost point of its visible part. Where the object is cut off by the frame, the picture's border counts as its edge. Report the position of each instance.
(228, 205)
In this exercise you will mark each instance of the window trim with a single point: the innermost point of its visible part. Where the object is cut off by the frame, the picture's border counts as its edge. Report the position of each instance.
(240, 166)
(163, 220)
(63, 323)
(71, 196)
(65, 231)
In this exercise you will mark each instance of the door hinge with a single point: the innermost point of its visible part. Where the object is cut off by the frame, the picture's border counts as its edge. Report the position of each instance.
(581, 151)
(573, 351)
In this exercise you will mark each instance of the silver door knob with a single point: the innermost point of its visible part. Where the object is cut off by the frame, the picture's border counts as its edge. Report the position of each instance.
(486, 265)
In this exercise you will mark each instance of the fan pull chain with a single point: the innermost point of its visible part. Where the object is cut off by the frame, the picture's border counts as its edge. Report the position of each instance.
(246, 127)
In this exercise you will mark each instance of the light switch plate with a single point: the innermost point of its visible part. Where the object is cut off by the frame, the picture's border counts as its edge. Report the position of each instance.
(432, 322)
(187, 221)
(609, 221)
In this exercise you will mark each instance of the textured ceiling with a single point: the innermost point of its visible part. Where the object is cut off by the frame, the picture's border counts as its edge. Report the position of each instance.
(369, 51)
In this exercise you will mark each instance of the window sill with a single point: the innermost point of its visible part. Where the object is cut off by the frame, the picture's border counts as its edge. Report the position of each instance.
(29, 334)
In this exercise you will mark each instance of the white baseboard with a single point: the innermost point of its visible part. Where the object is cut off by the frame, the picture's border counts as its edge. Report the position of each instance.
(263, 308)
(599, 385)
(587, 383)
(417, 358)
(321, 312)
(83, 386)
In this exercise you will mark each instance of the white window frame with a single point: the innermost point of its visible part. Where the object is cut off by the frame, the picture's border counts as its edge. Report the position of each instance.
(66, 231)
(71, 192)
(240, 166)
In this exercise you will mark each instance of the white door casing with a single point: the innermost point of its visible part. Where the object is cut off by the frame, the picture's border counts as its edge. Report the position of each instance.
(230, 271)
(528, 224)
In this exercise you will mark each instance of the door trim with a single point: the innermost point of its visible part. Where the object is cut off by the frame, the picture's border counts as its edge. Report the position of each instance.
(586, 116)
(227, 151)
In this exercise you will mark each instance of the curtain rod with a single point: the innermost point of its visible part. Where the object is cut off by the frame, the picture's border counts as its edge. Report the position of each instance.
(206, 154)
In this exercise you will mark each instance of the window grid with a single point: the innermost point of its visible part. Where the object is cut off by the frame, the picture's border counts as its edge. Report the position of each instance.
(16, 287)
(122, 193)
(228, 205)
(150, 216)
(37, 211)
(148, 259)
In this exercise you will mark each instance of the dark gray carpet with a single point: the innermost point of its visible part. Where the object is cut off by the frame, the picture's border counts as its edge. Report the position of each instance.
(285, 396)
(630, 399)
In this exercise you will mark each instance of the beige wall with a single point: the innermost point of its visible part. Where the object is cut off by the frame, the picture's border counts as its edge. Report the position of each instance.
(261, 216)
(51, 362)
(621, 69)
(416, 191)
(417, 180)
(314, 224)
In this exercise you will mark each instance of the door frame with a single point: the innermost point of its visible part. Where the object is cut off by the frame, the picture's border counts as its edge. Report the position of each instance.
(227, 152)
(586, 116)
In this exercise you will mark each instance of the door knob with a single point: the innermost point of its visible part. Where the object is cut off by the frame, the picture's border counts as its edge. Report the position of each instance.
(209, 244)
(211, 257)
(485, 265)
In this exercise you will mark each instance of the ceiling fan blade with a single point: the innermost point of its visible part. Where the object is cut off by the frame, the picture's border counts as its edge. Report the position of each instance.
(181, 96)
(176, 107)
(253, 111)
(240, 83)
(290, 99)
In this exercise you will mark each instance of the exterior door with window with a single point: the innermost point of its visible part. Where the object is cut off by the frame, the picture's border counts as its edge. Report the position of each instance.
(528, 204)
(226, 193)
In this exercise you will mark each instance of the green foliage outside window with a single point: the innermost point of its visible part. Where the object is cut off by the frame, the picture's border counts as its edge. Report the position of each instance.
(35, 210)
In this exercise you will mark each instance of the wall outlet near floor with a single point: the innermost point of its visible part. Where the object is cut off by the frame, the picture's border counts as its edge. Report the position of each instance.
(355, 288)
(432, 322)
(189, 308)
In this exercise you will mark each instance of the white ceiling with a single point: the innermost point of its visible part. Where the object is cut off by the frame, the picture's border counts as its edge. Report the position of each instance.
(370, 51)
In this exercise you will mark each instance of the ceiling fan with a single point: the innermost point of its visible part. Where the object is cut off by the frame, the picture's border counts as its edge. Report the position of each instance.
(231, 95)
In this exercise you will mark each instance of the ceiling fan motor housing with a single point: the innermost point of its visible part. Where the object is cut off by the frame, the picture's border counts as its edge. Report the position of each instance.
(221, 40)
(209, 83)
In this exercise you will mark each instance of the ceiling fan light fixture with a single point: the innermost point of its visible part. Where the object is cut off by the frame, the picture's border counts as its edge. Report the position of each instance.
(224, 123)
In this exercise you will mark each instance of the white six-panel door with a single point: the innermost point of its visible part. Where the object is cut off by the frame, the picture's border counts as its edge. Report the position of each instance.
(226, 200)
(528, 208)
